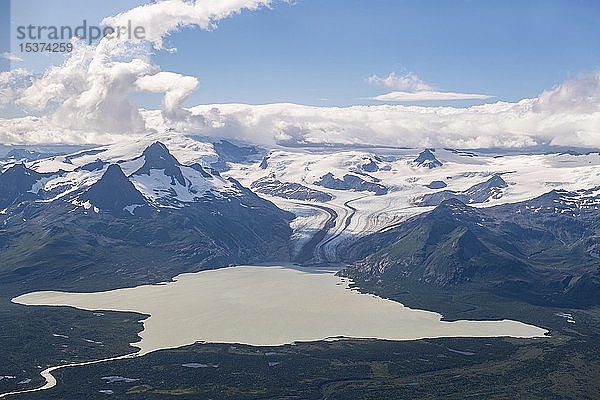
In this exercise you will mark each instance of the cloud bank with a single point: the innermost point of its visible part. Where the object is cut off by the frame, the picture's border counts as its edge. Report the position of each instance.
(410, 88)
(566, 115)
(426, 95)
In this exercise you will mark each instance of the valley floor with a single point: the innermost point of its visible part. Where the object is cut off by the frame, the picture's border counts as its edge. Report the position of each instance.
(563, 366)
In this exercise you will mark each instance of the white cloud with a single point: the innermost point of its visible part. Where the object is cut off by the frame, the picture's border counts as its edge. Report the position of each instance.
(165, 17)
(408, 82)
(409, 88)
(567, 115)
(90, 91)
(11, 57)
(9, 77)
(176, 87)
(40, 130)
(12, 84)
(428, 95)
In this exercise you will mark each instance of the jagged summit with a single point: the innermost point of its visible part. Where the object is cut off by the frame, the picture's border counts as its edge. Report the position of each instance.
(371, 166)
(158, 157)
(490, 189)
(16, 183)
(158, 152)
(482, 192)
(427, 159)
(497, 181)
(113, 192)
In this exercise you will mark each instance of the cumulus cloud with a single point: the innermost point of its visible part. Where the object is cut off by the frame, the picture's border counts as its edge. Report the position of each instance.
(410, 88)
(567, 115)
(12, 84)
(176, 87)
(91, 89)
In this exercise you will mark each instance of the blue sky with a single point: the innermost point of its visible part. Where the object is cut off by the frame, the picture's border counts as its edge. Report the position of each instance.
(320, 52)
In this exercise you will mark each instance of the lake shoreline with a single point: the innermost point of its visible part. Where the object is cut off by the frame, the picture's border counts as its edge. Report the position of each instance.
(323, 298)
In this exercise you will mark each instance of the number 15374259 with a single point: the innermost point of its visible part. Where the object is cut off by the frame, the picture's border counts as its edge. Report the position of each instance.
(50, 47)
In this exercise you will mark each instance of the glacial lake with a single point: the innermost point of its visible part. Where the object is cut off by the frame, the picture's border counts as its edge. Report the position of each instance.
(268, 306)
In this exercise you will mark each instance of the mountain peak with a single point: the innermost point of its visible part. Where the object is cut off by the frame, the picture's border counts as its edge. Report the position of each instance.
(453, 204)
(157, 156)
(497, 181)
(113, 173)
(113, 192)
(454, 209)
(427, 159)
(160, 153)
(15, 184)
(476, 194)
(19, 168)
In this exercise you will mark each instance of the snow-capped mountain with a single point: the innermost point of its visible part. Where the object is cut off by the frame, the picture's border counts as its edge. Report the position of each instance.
(131, 213)
(543, 251)
(476, 194)
(288, 190)
(17, 184)
(166, 182)
(427, 159)
(114, 193)
(479, 178)
(578, 203)
(351, 182)
(148, 165)
(336, 195)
